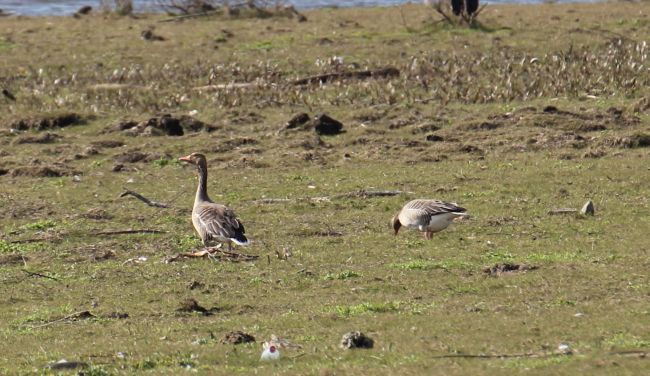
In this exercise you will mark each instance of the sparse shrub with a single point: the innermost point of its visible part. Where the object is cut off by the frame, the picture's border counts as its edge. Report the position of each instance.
(120, 7)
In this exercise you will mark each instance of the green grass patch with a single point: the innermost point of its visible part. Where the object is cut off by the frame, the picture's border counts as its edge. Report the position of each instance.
(364, 308)
(41, 225)
(346, 274)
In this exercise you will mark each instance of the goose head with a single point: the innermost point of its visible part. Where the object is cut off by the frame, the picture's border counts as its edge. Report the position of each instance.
(395, 223)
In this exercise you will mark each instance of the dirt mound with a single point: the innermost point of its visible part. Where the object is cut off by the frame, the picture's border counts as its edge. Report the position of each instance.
(191, 305)
(45, 138)
(109, 144)
(48, 121)
(134, 156)
(498, 269)
(356, 340)
(42, 171)
(236, 337)
(165, 125)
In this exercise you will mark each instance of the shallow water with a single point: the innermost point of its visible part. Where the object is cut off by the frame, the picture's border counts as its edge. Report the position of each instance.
(67, 7)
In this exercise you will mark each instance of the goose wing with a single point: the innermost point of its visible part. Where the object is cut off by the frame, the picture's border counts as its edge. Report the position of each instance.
(219, 221)
(421, 211)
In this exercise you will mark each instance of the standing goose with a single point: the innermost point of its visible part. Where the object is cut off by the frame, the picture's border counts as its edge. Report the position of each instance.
(427, 216)
(213, 221)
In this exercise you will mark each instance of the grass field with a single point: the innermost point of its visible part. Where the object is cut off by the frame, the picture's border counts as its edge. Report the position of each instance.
(535, 109)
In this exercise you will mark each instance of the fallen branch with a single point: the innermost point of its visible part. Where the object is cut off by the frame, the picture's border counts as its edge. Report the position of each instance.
(497, 356)
(36, 240)
(193, 15)
(140, 197)
(73, 316)
(128, 231)
(562, 211)
(35, 274)
(214, 253)
(323, 78)
(359, 194)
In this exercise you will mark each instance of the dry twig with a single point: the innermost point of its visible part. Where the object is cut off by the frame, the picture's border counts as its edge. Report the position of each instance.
(359, 194)
(140, 197)
(214, 253)
(35, 274)
(81, 315)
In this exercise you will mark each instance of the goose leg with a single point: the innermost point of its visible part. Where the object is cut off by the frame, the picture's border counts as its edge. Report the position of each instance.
(424, 235)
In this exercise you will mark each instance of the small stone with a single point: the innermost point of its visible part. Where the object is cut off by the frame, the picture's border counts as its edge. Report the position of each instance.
(356, 340)
(588, 208)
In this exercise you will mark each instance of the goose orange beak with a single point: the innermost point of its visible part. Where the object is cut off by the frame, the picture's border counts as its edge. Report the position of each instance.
(185, 159)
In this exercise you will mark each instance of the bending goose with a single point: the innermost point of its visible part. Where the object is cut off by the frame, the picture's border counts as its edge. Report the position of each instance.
(427, 216)
(213, 221)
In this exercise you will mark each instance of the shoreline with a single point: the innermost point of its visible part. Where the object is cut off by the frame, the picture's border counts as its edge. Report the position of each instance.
(148, 9)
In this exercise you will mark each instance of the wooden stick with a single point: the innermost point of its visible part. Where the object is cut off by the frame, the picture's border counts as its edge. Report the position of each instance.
(35, 274)
(562, 211)
(492, 356)
(193, 15)
(323, 78)
(72, 316)
(360, 193)
(128, 231)
(213, 252)
(140, 197)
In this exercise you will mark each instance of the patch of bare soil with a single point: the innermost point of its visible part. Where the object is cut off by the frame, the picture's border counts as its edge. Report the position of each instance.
(42, 171)
(165, 125)
(108, 144)
(234, 143)
(134, 156)
(190, 305)
(12, 259)
(237, 337)
(97, 214)
(356, 340)
(498, 269)
(45, 138)
(637, 140)
(49, 121)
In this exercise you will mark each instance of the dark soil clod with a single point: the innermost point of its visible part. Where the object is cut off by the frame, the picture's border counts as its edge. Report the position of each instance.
(132, 157)
(297, 120)
(190, 305)
(38, 171)
(49, 121)
(45, 138)
(237, 337)
(434, 138)
(356, 340)
(325, 125)
(499, 269)
(109, 144)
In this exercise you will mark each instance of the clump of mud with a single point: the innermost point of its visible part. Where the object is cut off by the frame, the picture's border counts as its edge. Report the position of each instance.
(356, 340)
(237, 337)
(322, 124)
(190, 305)
(42, 171)
(498, 269)
(134, 156)
(45, 138)
(48, 121)
(165, 125)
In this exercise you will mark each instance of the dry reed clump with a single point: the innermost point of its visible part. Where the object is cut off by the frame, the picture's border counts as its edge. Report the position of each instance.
(496, 76)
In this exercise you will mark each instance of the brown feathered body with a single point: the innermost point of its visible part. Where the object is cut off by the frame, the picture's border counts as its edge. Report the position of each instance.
(213, 221)
(427, 216)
